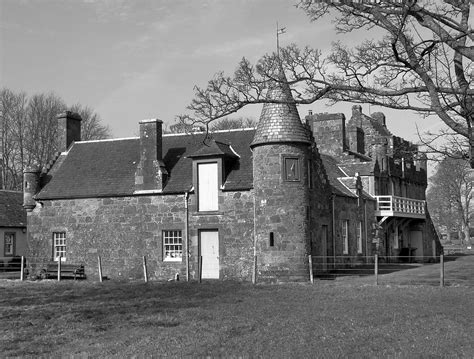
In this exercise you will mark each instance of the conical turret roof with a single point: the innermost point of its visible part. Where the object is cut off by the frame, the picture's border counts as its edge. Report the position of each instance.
(280, 122)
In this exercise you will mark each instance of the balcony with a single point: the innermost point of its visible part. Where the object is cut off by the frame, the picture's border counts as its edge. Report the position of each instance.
(392, 206)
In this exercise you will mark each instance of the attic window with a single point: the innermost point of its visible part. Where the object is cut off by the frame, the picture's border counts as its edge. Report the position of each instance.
(208, 186)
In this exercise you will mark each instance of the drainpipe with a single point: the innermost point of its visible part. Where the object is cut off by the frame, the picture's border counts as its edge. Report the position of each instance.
(186, 230)
(254, 270)
(333, 198)
(365, 231)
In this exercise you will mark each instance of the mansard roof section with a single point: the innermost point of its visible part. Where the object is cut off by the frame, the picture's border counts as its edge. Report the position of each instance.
(279, 120)
(107, 168)
(12, 213)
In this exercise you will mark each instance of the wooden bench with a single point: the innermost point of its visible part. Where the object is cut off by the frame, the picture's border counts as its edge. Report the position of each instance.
(67, 271)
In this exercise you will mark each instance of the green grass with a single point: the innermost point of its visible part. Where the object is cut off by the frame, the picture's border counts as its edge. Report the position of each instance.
(347, 318)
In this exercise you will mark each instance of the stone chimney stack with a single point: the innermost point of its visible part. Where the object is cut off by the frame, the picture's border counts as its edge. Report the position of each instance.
(380, 117)
(69, 129)
(151, 174)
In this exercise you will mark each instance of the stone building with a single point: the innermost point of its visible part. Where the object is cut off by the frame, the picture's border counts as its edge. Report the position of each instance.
(260, 198)
(12, 226)
(392, 172)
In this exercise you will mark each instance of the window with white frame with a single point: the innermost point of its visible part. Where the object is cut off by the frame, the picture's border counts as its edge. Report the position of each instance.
(59, 246)
(345, 236)
(9, 244)
(208, 186)
(172, 246)
(359, 237)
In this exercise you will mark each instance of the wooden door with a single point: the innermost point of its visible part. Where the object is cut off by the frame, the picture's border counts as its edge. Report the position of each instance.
(209, 240)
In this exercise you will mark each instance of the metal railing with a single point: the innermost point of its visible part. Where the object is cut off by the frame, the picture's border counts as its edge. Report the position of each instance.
(400, 206)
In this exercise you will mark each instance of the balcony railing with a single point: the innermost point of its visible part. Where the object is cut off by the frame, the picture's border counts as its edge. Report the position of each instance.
(393, 206)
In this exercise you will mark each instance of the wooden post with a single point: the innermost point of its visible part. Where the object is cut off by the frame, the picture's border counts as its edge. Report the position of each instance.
(311, 277)
(22, 270)
(100, 268)
(59, 268)
(200, 269)
(145, 273)
(254, 273)
(376, 268)
(441, 270)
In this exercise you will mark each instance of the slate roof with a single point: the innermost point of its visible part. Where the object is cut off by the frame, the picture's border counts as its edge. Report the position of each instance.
(107, 168)
(280, 122)
(334, 173)
(12, 213)
(214, 148)
(363, 168)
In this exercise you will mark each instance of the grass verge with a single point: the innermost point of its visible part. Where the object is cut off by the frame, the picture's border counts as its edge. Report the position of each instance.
(334, 319)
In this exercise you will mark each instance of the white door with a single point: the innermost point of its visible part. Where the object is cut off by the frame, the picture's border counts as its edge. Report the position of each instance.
(210, 254)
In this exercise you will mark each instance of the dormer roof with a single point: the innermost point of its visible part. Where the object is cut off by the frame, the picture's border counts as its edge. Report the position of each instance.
(279, 121)
(213, 148)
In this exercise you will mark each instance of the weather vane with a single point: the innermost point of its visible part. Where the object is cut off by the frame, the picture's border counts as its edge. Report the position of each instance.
(278, 33)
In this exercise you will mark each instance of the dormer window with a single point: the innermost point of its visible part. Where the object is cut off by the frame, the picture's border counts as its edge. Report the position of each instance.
(208, 186)
(209, 173)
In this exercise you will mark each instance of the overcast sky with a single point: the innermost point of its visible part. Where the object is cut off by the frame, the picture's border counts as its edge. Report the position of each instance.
(132, 60)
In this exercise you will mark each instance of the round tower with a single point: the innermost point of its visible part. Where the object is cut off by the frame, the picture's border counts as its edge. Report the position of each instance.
(281, 149)
(31, 186)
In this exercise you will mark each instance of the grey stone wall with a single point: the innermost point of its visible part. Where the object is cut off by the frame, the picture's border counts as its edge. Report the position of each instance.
(282, 211)
(124, 229)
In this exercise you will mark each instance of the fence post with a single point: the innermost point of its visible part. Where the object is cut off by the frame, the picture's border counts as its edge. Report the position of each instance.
(376, 269)
(254, 273)
(145, 273)
(22, 270)
(200, 269)
(100, 268)
(441, 270)
(59, 268)
(311, 277)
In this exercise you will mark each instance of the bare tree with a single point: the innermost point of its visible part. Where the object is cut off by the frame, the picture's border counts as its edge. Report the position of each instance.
(421, 62)
(91, 125)
(450, 196)
(28, 132)
(12, 133)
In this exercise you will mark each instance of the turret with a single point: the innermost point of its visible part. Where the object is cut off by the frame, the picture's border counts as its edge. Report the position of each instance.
(281, 149)
(31, 186)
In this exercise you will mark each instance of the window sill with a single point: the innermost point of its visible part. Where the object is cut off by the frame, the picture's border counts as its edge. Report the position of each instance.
(208, 213)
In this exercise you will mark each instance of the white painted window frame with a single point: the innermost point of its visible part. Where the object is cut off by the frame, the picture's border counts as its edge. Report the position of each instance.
(208, 187)
(172, 245)
(59, 246)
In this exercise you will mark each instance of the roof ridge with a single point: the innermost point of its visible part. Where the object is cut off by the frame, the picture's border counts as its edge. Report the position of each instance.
(107, 140)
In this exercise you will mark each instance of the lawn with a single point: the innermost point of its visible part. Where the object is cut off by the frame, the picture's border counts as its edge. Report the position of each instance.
(327, 319)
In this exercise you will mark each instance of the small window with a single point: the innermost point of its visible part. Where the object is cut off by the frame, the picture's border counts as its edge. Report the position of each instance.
(291, 169)
(272, 240)
(9, 244)
(172, 246)
(359, 237)
(208, 183)
(395, 238)
(59, 246)
(345, 236)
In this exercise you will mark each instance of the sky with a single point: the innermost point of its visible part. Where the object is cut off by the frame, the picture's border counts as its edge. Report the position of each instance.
(141, 59)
